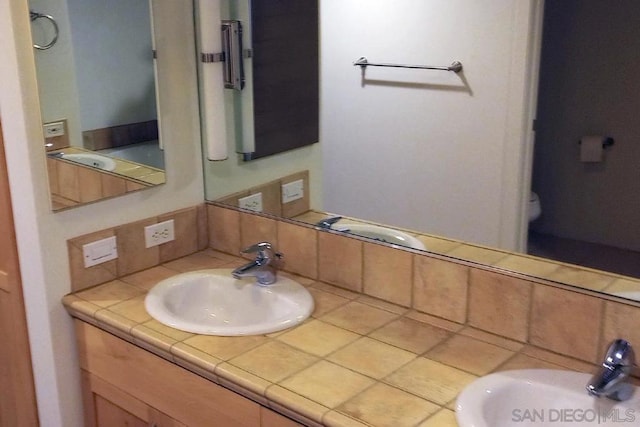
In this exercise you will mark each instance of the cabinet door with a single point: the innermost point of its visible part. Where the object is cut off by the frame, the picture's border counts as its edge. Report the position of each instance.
(109, 414)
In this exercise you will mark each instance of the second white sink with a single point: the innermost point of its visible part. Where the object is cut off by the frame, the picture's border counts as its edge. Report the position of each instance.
(212, 302)
(382, 234)
(540, 397)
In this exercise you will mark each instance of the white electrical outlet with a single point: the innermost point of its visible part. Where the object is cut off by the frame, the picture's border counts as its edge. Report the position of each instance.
(158, 234)
(53, 129)
(100, 251)
(292, 191)
(252, 202)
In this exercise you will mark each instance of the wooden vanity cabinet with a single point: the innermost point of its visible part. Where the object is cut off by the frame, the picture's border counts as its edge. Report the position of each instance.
(124, 385)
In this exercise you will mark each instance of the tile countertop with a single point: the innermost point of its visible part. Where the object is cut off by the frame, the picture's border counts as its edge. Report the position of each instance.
(357, 361)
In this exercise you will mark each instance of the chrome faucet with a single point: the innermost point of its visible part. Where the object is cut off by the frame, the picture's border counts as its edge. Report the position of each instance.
(327, 223)
(616, 368)
(263, 267)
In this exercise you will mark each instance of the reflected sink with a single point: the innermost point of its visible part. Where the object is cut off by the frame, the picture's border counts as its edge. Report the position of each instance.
(93, 160)
(540, 397)
(382, 234)
(212, 302)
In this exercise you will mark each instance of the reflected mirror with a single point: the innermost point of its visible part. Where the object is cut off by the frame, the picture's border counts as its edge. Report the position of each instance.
(435, 154)
(96, 81)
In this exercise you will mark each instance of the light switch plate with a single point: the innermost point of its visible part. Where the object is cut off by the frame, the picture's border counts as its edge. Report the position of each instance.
(292, 191)
(100, 251)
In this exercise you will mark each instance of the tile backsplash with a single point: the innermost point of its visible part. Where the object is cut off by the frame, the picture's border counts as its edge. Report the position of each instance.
(528, 310)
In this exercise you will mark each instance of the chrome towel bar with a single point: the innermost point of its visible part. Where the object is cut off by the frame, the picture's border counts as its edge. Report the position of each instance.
(455, 66)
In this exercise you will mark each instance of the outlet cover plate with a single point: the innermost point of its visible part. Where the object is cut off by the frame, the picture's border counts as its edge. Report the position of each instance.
(292, 191)
(100, 251)
(53, 129)
(252, 202)
(159, 233)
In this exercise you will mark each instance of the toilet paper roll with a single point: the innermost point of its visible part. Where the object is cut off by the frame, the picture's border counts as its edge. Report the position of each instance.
(591, 148)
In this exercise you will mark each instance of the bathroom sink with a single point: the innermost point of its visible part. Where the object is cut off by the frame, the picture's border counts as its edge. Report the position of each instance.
(382, 234)
(90, 159)
(212, 302)
(540, 397)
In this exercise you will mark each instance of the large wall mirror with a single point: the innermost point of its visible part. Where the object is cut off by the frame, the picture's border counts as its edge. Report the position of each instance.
(422, 151)
(96, 80)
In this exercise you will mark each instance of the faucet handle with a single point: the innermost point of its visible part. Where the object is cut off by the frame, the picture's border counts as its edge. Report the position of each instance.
(264, 250)
(619, 354)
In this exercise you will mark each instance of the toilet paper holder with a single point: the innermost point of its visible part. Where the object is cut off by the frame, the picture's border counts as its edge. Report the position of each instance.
(607, 142)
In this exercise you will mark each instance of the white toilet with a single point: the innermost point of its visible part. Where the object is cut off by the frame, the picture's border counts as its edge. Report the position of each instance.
(535, 208)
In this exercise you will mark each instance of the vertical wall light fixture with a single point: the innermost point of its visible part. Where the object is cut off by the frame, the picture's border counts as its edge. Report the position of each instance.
(221, 57)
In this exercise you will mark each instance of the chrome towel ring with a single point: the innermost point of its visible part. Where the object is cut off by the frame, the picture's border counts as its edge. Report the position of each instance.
(35, 16)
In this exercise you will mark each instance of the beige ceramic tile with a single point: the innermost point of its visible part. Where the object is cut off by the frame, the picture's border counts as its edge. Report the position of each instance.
(273, 361)
(340, 261)
(581, 277)
(468, 354)
(78, 305)
(438, 322)
(443, 418)
(440, 288)
(522, 361)
(381, 359)
(205, 361)
(437, 244)
(132, 309)
(132, 254)
(89, 185)
(109, 294)
(147, 279)
(430, 380)
(620, 321)
(387, 273)
(300, 248)
(175, 334)
(242, 378)
(224, 229)
(115, 321)
(383, 405)
(556, 359)
(82, 277)
(359, 318)
(152, 338)
(197, 261)
(566, 322)
(281, 398)
(411, 335)
(623, 285)
(318, 338)
(338, 419)
(271, 197)
(491, 338)
(324, 302)
(186, 234)
(255, 228)
(299, 206)
(499, 304)
(378, 303)
(201, 224)
(528, 265)
(327, 383)
(344, 293)
(225, 348)
(477, 254)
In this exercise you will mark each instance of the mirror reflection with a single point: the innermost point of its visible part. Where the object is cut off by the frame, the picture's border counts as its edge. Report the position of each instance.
(96, 80)
(441, 155)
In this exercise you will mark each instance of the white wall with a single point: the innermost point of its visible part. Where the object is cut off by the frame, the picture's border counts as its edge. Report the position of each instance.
(41, 234)
(590, 85)
(113, 60)
(428, 150)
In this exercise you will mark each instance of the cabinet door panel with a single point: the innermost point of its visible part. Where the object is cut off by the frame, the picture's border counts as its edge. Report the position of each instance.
(110, 415)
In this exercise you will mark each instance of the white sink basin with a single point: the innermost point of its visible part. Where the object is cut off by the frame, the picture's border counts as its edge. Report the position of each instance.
(94, 160)
(541, 397)
(383, 234)
(212, 302)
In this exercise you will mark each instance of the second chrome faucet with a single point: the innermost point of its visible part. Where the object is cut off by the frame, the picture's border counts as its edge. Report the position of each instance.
(263, 267)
